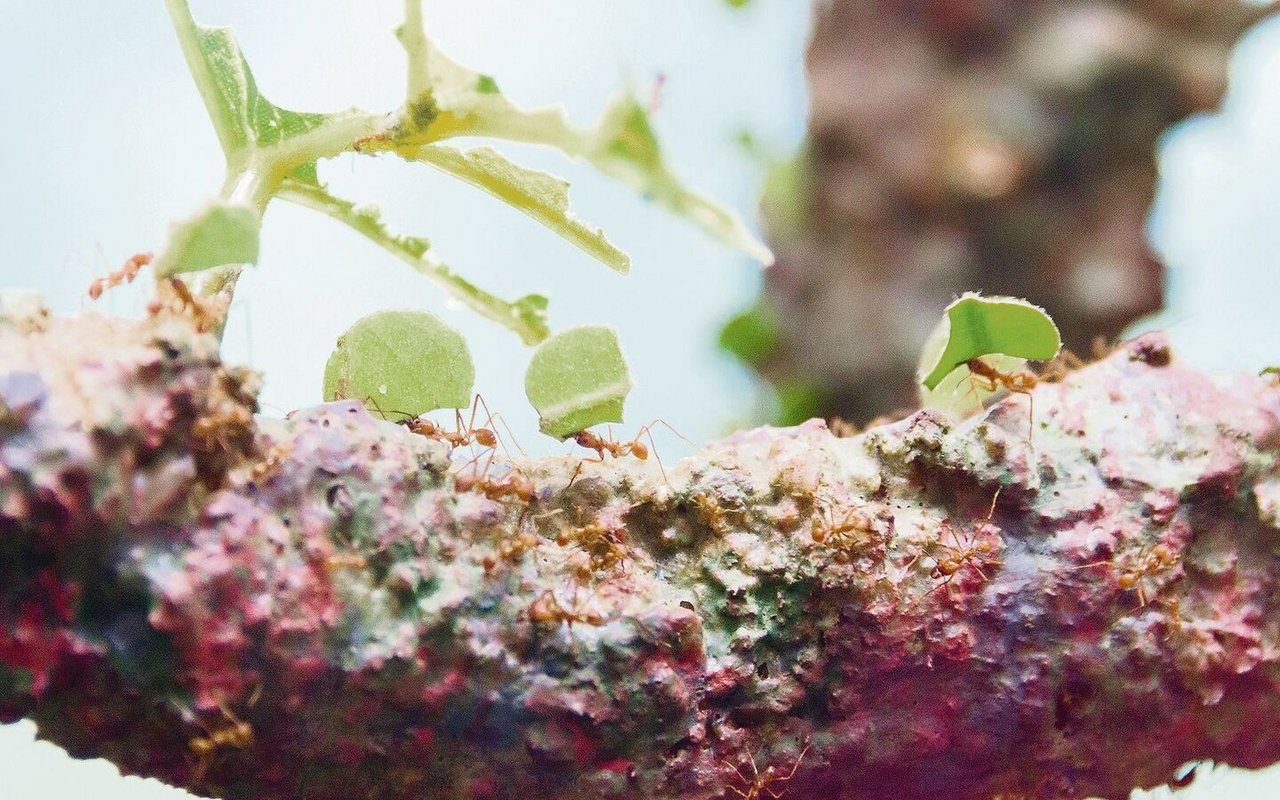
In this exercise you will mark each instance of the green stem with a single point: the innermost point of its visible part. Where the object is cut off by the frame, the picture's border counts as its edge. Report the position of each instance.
(520, 320)
(184, 25)
(413, 36)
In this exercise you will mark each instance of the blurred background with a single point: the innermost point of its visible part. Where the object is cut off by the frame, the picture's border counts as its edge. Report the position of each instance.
(1104, 159)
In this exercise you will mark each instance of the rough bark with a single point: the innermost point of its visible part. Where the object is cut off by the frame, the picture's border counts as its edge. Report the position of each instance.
(1003, 146)
(317, 607)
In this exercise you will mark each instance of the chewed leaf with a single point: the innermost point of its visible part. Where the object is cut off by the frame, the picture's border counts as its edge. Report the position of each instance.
(752, 335)
(959, 394)
(625, 147)
(539, 194)
(447, 99)
(576, 379)
(220, 234)
(401, 364)
(527, 316)
(976, 326)
(241, 116)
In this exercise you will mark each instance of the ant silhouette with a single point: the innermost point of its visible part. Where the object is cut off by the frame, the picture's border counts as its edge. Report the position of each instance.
(967, 552)
(607, 444)
(238, 734)
(125, 274)
(1018, 382)
(761, 782)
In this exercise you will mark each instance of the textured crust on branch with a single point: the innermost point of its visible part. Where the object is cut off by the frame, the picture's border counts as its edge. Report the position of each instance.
(312, 607)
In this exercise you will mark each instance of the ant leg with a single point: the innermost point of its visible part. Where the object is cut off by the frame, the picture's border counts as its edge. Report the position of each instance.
(974, 380)
(669, 427)
(578, 468)
(510, 434)
(478, 474)
(738, 772)
(648, 432)
(992, 510)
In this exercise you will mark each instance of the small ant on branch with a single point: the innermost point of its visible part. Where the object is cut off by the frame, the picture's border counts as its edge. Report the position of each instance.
(237, 735)
(461, 435)
(1018, 382)
(132, 266)
(547, 609)
(607, 444)
(1133, 578)
(761, 782)
(969, 551)
(205, 312)
(843, 535)
(513, 484)
(605, 548)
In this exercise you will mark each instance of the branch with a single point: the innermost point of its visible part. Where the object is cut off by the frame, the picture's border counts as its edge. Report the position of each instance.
(323, 606)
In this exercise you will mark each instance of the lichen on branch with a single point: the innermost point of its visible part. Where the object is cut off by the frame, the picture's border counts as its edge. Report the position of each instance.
(330, 606)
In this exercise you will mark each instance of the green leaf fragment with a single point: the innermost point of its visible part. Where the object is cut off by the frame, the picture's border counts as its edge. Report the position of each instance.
(539, 194)
(974, 326)
(798, 401)
(220, 234)
(576, 379)
(624, 146)
(401, 364)
(241, 116)
(751, 335)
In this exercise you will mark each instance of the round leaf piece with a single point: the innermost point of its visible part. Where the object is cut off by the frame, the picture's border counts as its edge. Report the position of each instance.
(576, 379)
(976, 326)
(401, 364)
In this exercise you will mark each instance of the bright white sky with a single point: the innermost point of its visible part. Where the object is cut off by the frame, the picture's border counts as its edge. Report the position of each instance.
(104, 139)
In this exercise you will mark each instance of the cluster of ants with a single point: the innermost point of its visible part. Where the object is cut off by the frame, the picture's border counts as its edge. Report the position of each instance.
(172, 294)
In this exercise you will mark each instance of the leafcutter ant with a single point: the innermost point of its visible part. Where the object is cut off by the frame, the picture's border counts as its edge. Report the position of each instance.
(971, 551)
(205, 313)
(548, 610)
(842, 535)
(1149, 561)
(125, 274)
(513, 484)
(238, 735)
(606, 548)
(461, 436)
(607, 444)
(347, 560)
(1018, 382)
(761, 783)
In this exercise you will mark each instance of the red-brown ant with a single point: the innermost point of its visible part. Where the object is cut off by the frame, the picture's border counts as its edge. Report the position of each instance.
(970, 551)
(1148, 562)
(125, 274)
(461, 436)
(601, 444)
(760, 783)
(1018, 382)
(547, 609)
(238, 735)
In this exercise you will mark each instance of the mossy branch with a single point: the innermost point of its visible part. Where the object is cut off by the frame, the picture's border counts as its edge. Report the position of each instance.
(329, 604)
